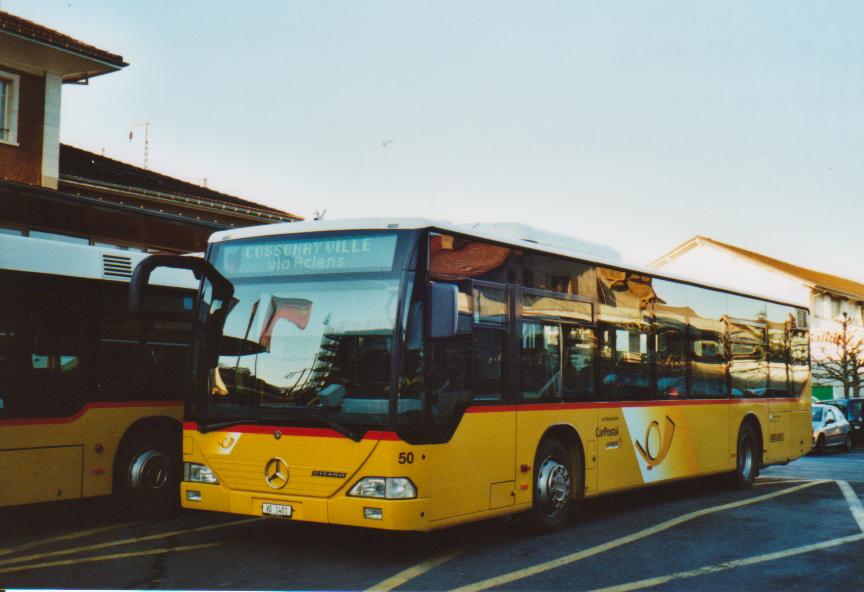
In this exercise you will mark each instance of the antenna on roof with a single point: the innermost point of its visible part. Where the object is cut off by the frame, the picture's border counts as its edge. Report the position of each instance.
(319, 215)
(146, 126)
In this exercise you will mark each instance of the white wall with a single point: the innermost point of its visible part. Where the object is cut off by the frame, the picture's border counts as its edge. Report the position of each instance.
(706, 263)
(51, 134)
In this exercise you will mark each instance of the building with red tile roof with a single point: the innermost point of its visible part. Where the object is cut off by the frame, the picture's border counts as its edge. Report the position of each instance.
(829, 297)
(58, 191)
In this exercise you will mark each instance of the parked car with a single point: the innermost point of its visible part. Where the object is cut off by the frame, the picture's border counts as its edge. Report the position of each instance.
(853, 409)
(830, 428)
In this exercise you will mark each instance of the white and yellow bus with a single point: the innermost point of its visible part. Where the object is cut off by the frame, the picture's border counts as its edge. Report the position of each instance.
(411, 375)
(90, 396)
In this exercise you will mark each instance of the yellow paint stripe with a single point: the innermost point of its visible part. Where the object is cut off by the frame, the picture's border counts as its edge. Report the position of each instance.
(854, 502)
(710, 569)
(125, 541)
(409, 574)
(779, 481)
(105, 557)
(590, 552)
(66, 537)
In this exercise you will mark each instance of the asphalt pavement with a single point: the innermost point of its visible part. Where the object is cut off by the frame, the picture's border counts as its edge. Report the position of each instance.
(799, 528)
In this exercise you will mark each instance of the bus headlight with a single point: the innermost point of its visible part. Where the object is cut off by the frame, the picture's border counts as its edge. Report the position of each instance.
(197, 473)
(384, 488)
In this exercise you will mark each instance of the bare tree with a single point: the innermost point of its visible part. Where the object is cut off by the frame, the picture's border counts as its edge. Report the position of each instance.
(844, 363)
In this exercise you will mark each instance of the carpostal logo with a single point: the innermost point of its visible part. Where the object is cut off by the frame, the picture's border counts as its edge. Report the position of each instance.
(657, 442)
(605, 432)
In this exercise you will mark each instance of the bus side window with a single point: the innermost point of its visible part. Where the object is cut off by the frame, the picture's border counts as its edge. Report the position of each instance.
(709, 347)
(50, 349)
(579, 363)
(670, 333)
(7, 367)
(490, 333)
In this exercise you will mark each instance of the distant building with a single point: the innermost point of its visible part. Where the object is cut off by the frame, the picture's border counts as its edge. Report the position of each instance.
(827, 296)
(54, 191)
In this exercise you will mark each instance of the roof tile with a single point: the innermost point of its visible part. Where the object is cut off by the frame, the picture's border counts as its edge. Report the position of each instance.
(19, 26)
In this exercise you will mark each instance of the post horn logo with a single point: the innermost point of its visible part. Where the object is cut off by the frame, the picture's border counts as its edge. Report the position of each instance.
(276, 473)
(657, 443)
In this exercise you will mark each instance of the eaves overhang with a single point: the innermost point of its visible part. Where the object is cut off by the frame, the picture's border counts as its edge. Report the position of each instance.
(65, 197)
(205, 206)
(31, 47)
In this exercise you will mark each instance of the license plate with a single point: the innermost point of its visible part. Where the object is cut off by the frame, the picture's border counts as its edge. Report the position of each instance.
(276, 510)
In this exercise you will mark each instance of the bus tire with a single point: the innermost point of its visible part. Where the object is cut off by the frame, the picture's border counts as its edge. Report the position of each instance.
(147, 475)
(746, 457)
(553, 485)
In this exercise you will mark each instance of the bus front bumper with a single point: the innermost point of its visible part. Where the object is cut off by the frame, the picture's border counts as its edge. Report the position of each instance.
(410, 514)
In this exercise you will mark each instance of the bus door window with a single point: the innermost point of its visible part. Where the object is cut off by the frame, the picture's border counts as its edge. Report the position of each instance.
(579, 346)
(541, 360)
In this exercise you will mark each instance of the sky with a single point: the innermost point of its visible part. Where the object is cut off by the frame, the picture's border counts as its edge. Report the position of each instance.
(634, 124)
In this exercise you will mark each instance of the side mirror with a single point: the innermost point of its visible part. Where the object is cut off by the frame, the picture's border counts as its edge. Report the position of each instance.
(222, 288)
(443, 302)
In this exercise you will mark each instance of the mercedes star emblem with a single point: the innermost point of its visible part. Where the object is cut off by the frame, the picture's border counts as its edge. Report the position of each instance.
(276, 473)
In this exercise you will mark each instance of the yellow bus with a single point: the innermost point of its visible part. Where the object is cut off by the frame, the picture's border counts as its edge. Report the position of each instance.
(411, 375)
(90, 396)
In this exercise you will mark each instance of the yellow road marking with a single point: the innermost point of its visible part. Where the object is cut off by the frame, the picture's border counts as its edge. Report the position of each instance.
(105, 557)
(854, 502)
(780, 481)
(75, 535)
(709, 569)
(412, 572)
(124, 542)
(579, 555)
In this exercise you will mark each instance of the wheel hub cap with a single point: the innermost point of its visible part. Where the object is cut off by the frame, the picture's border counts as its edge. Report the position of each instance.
(553, 484)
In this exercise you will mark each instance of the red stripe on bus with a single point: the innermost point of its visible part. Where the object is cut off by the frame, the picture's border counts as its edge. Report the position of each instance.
(293, 431)
(391, 436)
(85, 409)
(618, 404)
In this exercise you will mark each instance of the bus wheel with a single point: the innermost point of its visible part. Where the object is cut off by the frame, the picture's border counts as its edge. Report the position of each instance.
(820, 444)
(553, 489)
(147, 478)
(747, 458)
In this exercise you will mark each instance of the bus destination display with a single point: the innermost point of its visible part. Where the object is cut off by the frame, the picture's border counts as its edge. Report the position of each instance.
(356, 253)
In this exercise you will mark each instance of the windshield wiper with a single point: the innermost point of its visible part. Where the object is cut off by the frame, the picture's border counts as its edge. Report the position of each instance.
(218, 425)
(299, 411)
(344, 430)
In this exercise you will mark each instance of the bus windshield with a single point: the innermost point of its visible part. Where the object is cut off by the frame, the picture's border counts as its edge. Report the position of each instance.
(311, 329)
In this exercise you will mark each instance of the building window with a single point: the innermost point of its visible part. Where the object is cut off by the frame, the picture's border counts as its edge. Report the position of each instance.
(9, 84)
(835, 307)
